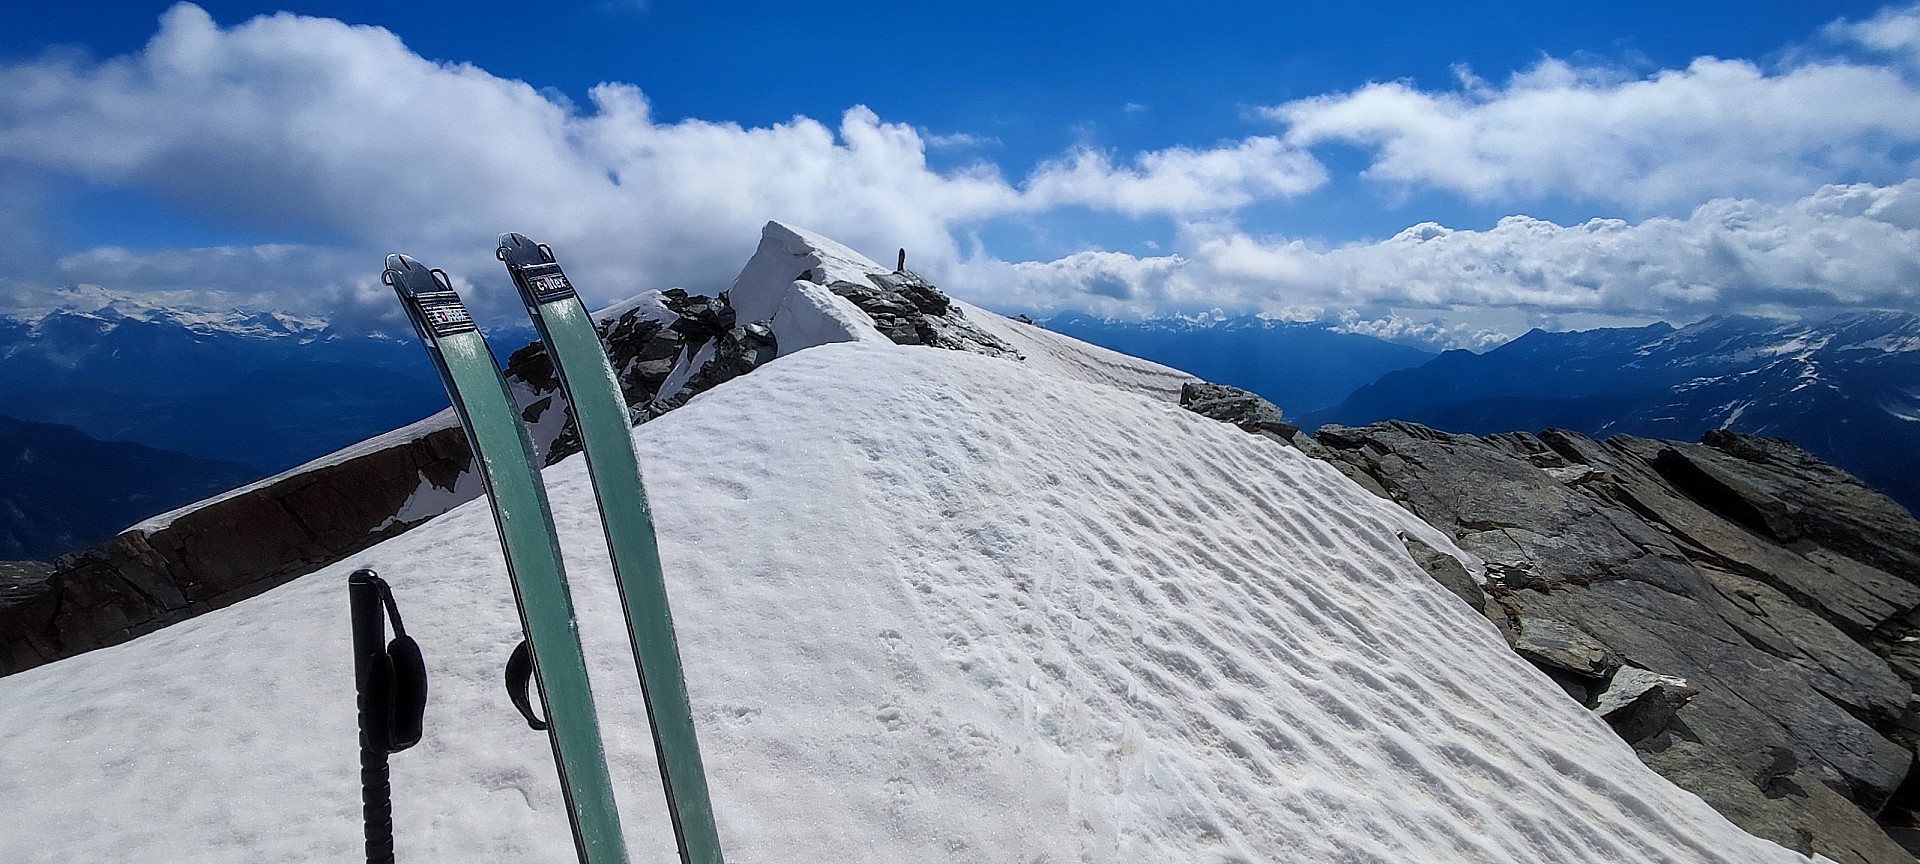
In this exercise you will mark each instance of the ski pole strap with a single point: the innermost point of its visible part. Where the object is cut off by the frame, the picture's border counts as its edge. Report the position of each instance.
(392, 678)
(519, 678)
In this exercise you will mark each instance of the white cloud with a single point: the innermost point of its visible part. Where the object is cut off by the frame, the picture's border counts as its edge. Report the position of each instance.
(1842, 247)
(1177, 180)
(1676, 137)
(1893, 30)
(315, 127)
(958, 141)
(1413, 331)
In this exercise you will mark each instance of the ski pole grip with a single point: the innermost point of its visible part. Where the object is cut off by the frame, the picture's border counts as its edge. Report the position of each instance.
(372, 675)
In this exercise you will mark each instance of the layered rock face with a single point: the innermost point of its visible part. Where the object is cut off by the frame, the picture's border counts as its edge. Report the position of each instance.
(1740, 611)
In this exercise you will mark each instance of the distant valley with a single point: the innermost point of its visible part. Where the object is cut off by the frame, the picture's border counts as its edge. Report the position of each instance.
(110, 413)
(60, 489)
(1846, 387)
(1300, 367)
(258, 389)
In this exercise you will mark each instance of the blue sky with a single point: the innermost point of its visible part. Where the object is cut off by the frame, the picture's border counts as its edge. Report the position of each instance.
(1150, 158)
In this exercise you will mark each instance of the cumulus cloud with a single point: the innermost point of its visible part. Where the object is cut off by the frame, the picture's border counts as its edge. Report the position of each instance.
(1845, 246)
(318, 128)
(267, 276)
(1894, 30)
(1675, 137)
(1177, 180)
(311, 128)
(1414, 331)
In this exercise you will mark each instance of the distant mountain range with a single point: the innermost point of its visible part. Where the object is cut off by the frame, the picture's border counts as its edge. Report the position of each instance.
(264, 390)
(117, 410)
(243, 395)
(1299, 366)
(60, 489)
(1846, 388)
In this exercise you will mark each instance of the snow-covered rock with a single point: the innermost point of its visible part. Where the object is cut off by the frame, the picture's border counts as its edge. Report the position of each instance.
(781, 283)
(933, 607)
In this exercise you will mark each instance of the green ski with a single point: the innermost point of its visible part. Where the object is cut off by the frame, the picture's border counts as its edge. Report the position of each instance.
(504, 456)
(606, 434)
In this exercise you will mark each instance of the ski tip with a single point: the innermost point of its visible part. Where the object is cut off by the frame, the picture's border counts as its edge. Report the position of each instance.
(432, 305)
(518, 250)
(411, 278)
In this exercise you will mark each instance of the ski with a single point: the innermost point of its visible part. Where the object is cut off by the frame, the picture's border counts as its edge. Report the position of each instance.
(505, 458)
(606, 434)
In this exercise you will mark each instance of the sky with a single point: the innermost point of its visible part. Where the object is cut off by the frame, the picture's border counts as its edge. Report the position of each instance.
(1431, 174)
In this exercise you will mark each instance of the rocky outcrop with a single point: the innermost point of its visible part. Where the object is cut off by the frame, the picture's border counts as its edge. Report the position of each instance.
(1640, 704)
(1741, 612)
(1242, 408)
(24, 596)
(907, 310)
(217, 552)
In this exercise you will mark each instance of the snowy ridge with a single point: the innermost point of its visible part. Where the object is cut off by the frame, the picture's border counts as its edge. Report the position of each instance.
(784, 254)
(1744, 340)
(646, 306)
(933, 607)
(1071, 358)
(442, 419)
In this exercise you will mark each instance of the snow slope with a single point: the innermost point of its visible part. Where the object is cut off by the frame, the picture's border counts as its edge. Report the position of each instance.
(1073, 359)
(935, 607)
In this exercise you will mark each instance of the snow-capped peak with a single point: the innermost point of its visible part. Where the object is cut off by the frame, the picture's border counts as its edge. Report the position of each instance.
(111, 309)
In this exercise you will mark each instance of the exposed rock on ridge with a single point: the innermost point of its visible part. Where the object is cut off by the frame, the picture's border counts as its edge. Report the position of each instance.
(909, 311)
(1731, 607)
(1240, 407)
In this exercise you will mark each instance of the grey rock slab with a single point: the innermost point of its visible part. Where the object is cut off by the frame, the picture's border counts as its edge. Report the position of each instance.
(1796, 811)
(1639, 703)
(1448, 571)
(1242, 408)
(1748, 698)
(910, 311)
(1857, 597)
(1842, 669)
(1562, 646)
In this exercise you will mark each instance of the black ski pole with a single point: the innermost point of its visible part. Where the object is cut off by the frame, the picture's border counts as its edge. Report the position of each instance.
(390, 679)
(369, 665)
